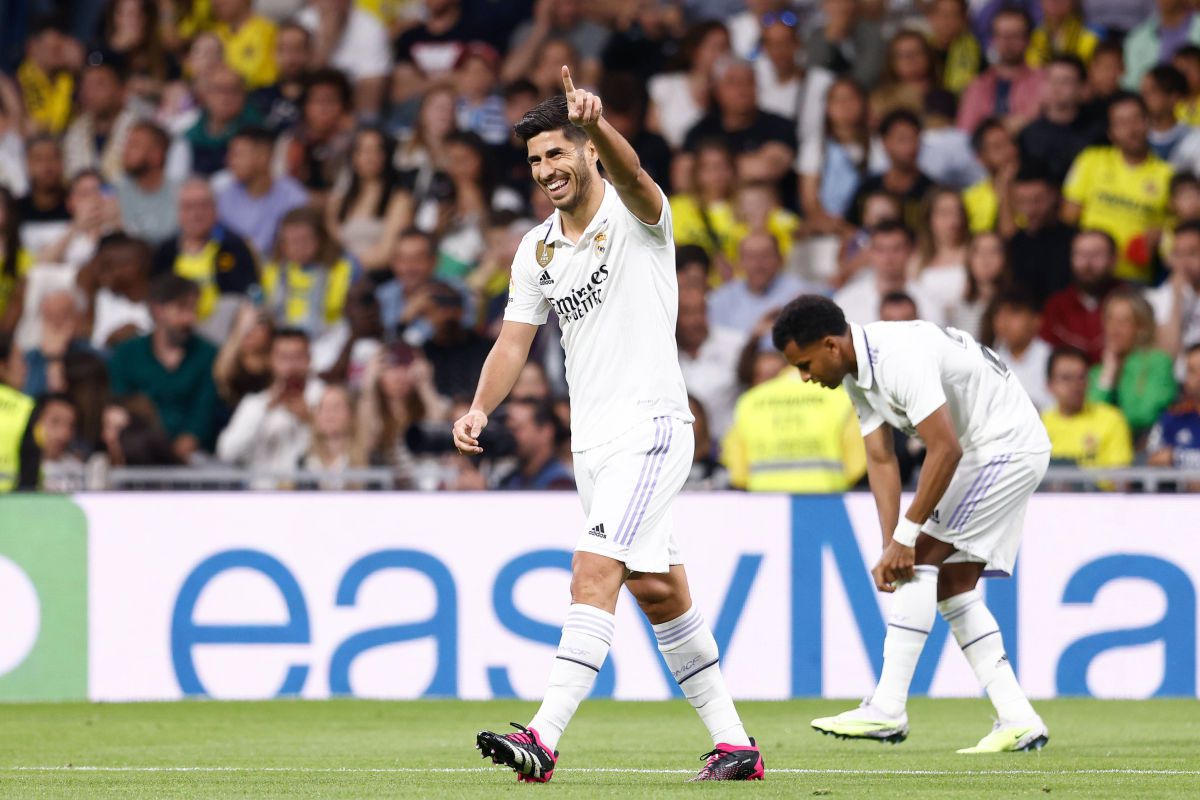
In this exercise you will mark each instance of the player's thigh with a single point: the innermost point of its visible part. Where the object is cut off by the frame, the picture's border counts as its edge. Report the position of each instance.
(955, 578)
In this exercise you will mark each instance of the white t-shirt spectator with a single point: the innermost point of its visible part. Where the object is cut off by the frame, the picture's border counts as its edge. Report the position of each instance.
(265, 438)
(1030, 370)
(677, 109)
(363, 51)
(711, 376)
(1162, 300)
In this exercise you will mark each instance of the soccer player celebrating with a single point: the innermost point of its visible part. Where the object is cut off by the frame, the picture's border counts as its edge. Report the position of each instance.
(605, 262)
(986, 453)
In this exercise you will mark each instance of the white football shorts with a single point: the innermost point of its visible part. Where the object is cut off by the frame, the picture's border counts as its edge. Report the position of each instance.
(627, 486)
(983, 511)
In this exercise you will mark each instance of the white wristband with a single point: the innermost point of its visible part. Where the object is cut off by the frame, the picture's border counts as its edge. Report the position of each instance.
(906, 532)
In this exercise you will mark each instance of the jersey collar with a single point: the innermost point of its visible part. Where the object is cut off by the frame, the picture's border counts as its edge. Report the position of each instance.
(864, 355)
(555, 232)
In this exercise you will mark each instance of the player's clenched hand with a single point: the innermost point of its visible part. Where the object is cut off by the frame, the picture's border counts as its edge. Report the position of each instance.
(895, 565)
(583, 107)
(467, 430)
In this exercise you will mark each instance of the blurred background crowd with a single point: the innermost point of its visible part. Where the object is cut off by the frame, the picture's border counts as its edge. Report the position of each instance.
(276, 234)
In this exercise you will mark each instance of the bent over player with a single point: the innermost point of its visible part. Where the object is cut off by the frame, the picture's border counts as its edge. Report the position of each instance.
(987, 451)
(605, 262)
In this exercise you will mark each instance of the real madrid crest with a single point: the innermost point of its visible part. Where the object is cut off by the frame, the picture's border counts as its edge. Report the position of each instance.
(600, 244)
(544, 253)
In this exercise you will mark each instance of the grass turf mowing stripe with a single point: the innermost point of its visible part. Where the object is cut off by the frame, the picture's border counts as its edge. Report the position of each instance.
(463, 770)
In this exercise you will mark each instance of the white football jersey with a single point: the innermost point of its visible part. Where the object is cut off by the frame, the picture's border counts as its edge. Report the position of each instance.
(617, 299)
(907, 370)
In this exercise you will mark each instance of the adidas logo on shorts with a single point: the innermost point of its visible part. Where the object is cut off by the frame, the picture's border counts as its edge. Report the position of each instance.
(544, 279)
(598, 531)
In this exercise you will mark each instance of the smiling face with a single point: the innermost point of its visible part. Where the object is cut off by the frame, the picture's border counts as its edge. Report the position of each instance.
(563, 168)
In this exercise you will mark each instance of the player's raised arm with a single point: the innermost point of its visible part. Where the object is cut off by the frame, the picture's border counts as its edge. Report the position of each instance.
(638, 191)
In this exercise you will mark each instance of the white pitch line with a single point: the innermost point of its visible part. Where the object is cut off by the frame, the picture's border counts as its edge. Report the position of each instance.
(615, 770)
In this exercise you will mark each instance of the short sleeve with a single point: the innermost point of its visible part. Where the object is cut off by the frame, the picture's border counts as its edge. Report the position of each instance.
(660, 233)
(808, 162)
(1077, 186)
(869, 420)
(916, 386)
(526, 303)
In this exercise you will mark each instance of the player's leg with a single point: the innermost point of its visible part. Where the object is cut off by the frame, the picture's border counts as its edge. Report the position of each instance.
(690, 651)
(882, 717)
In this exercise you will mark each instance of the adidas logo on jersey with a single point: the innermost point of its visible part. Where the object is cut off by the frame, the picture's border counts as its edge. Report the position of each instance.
(544, 279)
(598, 531)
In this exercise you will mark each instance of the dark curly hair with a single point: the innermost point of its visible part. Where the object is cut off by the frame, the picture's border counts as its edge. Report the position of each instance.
(808, 318)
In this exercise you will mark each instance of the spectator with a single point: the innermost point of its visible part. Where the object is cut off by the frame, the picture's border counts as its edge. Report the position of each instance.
(243, 364)
(422, 151)
(900, 133)
(345, 351)
(14, 264)
(1016, 321)
(536, 432)
(989, 202)
(305, 285)
(777, 67)
(133, 437)
(1040, 252)
(94, 213)
(397, 395)
(47, 75)
(316, 150)
(680, 98)
(278, 103)
(1122, 190)
(691, 267)
(173, 367)
(941, 272)
(532, 383)
(708, 358)
(371, 211)
(1175, 438)
(957, 53)
(1103, 80)
(255, 201)
(625, 110)
(897, 307)
(403, 299)
(1082, 432)
(249, 41)
(1010, 88)
(435, 45)
(1187, 61)
(148, 199)
(216, 260)
(96, 137)
(703, 215)
(1071, 317)
(1176, 303)
(45, 364)
(1062, 32)
(848, 43)
(707, 473)
(117, 284)
(131, 32)
(1157, 38)
(890, 252)
(1132, 374)
(62, 470)
(42, 211)
(763, 144)
(337, 444)
(352, 40)
(855, 255)
(988, 276)
(739, 304)
(832, 165)
(224, 114)
(1063, 129)
(556, 19)
(271, 430)
(478, 108)
(460, 219)
(455, 352)
(909, 80)
(756, 207)
(1163, 88)
(792, 436)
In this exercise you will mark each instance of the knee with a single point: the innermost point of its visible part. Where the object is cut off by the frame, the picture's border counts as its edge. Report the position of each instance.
(659, 601)
(595, 587)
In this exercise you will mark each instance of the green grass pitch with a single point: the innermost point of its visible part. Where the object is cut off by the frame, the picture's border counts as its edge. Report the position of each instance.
(362, 749)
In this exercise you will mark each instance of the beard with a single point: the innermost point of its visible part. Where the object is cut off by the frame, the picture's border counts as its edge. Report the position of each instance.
(583, 187)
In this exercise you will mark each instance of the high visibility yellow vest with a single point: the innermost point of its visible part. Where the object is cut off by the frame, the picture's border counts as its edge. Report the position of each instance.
(15, 411)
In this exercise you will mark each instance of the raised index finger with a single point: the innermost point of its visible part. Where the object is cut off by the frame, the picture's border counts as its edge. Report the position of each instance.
(568, 84)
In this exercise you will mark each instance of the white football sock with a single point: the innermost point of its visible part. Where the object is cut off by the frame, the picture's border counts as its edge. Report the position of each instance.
(688, 647)
(978, 634)
(586, 636)
(914, 608)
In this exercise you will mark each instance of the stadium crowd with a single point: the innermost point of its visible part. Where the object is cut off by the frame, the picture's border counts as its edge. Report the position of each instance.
(277, 233)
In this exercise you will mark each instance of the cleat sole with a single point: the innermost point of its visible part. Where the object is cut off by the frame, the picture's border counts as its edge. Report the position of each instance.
(892, 738)
(1037, 744)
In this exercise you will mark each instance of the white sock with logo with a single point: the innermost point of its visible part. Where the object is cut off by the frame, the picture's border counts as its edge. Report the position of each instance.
(586, 636)
(914, 608)
(978, 635)
(688, 647)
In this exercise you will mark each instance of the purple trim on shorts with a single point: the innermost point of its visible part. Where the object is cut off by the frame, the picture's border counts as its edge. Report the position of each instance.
(991, 481)
(661, 458)
(637, 489)
(966, 498)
